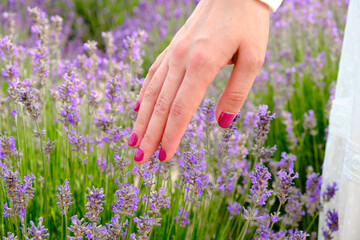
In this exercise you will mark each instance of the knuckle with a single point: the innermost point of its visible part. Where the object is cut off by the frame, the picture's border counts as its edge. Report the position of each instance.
(140, 121)
(150, 92)
(147, 140)
(236, 97)
(161, 106)
(255, 58)
(179, 50)
(152, 70)
(177, 109)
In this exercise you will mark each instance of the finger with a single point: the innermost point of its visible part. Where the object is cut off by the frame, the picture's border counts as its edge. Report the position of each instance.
(187, 100)
(152, 70)
(156, 126)
(241, 79)
(147, 105)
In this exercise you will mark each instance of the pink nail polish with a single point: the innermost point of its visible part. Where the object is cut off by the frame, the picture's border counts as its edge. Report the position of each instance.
(162, 154)
(133, 139)
(225, 119)
(137, 106)
(139, 155)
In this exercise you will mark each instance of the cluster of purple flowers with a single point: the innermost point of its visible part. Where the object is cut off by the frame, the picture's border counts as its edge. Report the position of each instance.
(127, 199)
(64, 197)
(193, 174)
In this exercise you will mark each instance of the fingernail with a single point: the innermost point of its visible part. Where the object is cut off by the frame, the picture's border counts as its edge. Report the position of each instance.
(139, 155)
(137, 106)
(225, 119)
(133, 139)
(162, 154)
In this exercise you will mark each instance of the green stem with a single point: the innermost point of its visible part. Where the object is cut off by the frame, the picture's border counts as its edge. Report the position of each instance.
(312, 222)
(45, 212)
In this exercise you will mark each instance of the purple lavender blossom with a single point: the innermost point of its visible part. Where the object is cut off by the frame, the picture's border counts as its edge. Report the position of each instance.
(78, 228)
(94, 204)
(264, 118)
(310, 122)
(38, 232)
(259, 179)
(330, 191)
(313, 190)
(145, 224)
(157, 201)
(182, 217)
(332, 224)
(10, 236)
(77, 140)
(294, 208)
(127, 199)
(284, 181)
(193, 173)
(29, 99)
(207, 111)
(117, 230)
(64, 197)
(7, 146)
(287, 162)
(234, 208)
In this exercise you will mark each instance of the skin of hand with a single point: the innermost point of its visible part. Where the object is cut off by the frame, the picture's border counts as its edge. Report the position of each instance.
(219, 32)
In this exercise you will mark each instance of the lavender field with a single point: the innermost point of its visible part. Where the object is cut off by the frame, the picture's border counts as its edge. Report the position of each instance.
(70, 75)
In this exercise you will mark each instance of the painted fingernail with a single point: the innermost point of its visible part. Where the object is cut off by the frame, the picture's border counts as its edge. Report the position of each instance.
(225, 119)
(139, 155)
(137, 106)
(133, 139)
(162, 154)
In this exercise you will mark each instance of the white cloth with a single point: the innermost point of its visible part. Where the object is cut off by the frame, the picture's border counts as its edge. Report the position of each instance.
(342, 155)
(273, 4)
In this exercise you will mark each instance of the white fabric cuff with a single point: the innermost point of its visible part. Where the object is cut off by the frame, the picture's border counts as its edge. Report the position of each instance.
(273, 4)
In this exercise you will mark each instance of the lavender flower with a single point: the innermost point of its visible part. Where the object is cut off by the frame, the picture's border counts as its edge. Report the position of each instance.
(294, 208)
(310, 122)
(313, 190)
(193, 174)
(207, 111)
(234, 208)
(7, 146)
(122, 163)
(38, 232)
(127, 199)
(70, 93)
(94, 204)
(284, 182)
(10, 236)
(29, 99)
(260, 178)
(64, 197)
(264, 118)
(290, 135)
(145, 224)
(287, 162)
(117, 230)
(48, 147)
(331, 223)
(182, 217)
(77, 140)
(157, 201)
(78, 228)
(330, 191)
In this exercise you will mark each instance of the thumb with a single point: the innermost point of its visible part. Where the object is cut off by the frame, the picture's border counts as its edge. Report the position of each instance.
(234, 95)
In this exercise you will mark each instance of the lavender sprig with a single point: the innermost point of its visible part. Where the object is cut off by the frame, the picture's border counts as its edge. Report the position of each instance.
(64, 197)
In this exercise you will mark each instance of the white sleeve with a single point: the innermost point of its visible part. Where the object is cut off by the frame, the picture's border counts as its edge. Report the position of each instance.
(273, 4)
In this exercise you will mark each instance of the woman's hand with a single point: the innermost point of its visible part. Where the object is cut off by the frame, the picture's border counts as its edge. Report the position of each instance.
(219, 32)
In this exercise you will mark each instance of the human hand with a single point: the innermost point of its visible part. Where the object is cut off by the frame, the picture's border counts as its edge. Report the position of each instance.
(218, 32)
